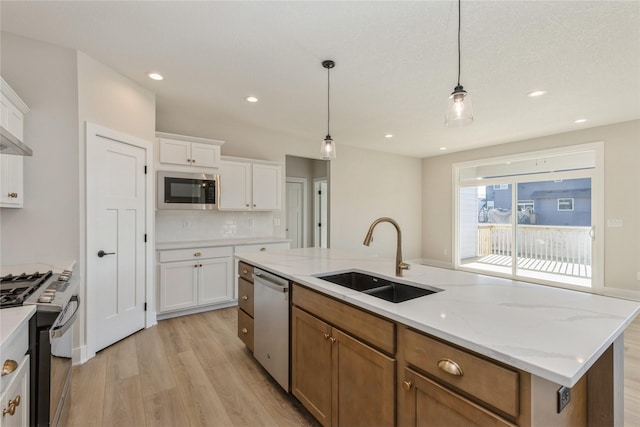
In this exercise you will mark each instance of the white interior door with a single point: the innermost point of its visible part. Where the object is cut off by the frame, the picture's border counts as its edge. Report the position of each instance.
(116, 253)
(296, 224)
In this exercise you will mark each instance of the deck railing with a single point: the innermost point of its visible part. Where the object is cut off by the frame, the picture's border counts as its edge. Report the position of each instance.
(544, 242)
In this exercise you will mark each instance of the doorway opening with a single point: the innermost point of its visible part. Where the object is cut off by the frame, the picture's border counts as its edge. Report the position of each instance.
(307, 210)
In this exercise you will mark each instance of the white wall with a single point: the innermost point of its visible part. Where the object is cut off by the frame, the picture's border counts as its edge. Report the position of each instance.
(622, 181)
(46, 229)
(364, 184)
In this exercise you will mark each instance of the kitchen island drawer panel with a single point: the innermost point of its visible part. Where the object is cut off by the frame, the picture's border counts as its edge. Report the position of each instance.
(195, 253)
(245, 296)
(245, 271)
(245, 329)
(491, 383)
(368, 327)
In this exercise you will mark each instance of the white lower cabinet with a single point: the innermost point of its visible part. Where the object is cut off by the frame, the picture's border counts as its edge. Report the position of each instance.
(191, 278)
(15, 398)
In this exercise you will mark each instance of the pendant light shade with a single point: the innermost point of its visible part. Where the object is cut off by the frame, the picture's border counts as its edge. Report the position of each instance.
(459, 109)
(328, 148)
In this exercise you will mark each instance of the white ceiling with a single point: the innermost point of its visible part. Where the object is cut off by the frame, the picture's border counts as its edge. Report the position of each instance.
(396, 63)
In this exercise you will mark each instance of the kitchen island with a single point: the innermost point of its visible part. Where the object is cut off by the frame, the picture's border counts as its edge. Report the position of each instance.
(550, 337)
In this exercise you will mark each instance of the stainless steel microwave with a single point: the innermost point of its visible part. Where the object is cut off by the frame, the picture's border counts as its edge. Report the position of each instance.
(178, 190)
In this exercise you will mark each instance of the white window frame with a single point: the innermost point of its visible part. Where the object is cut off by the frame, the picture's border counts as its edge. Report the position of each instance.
(525, 203)
(597, 206)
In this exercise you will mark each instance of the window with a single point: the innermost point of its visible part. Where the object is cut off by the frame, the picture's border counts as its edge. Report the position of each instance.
(549, 239)
(565, 204)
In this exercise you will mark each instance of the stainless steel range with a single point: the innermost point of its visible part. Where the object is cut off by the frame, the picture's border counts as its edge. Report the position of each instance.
(50, 336)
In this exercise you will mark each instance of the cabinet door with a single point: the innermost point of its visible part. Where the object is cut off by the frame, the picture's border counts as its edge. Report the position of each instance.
(16, 397)
(235, 186)
(175, 152)
(266, 187)
(311, 364)
(205, 155)
(363, 384)
(11, 118)
(11, 181)
(430, 404)
(215, 282)
(178, 285)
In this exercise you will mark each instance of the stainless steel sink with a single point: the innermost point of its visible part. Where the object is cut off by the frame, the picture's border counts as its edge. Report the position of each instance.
(378, 287)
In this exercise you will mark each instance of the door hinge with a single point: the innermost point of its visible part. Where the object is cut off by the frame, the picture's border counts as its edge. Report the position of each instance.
(319, 191)
(319, 224)
(145, 237)
(145, 169)
(145, 306)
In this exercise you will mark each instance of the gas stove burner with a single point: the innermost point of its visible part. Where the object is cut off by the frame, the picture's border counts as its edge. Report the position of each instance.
(15, 289)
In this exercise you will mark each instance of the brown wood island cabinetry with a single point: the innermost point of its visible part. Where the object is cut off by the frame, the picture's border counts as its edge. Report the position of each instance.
(245, 304)
(337, 373)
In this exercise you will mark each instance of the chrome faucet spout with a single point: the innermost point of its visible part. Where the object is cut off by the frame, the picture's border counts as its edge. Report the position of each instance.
(369, 237)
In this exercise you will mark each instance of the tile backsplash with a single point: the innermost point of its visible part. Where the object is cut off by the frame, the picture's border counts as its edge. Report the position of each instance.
(178, 226)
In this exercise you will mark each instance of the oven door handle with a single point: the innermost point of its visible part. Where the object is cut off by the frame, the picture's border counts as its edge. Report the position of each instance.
(60, 330)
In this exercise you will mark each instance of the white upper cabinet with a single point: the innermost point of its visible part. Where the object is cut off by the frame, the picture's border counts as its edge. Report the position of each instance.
(12, 110)
(266, 187)
(188, 151)
(245, 185)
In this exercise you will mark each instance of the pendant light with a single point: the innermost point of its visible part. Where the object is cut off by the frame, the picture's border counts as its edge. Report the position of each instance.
(459, 110)
(328, 148)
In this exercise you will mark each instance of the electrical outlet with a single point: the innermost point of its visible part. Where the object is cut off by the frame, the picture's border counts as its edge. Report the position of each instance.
(614, 223)
(564, 397)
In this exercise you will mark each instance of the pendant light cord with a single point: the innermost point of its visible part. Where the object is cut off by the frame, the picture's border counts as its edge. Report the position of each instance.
(328, 98)
(459, 42)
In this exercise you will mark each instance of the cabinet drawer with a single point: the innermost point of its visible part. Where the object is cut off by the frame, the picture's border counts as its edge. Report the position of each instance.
(372, 329)
(15, 349)
(195, 253)
(245, 296)
(245, 329)
(245, 271)
(485, 380)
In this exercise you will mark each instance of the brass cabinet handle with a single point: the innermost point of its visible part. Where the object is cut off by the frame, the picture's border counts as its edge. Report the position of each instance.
(9, 366)
(407, 385)
(197, 254)
(254, 205)
(245, 271)
(245, 297)
(247, 205)
(263, 249)
(196, 266)
(193, 161)
(326, 336)
(450, 367)
(12, 406)
(13, 195)
(332, 339)
(245, 331)
(188, 160)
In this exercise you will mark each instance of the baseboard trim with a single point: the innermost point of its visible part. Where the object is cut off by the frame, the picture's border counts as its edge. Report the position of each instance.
(170, 315)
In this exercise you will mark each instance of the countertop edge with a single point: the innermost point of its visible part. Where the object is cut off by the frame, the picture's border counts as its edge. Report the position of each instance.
(164, 246)
(16, 316)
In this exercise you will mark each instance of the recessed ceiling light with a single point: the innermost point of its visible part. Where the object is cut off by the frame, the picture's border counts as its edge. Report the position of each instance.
(578, 121)
(251, 99)
(155, 76)
(443, 148)
(388, 135)
(536, 93)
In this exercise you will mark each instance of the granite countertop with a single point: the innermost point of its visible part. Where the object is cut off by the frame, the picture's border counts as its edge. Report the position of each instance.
(11, 319)
(162, 246)
(553, 333)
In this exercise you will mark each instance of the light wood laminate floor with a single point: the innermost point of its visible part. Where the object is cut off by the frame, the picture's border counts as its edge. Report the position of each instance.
(194, 371)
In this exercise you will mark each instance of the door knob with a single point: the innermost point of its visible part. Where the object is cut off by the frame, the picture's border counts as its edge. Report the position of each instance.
(102, 253)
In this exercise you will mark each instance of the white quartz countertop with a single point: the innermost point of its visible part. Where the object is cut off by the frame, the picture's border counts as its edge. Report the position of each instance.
(11, 319)
(162, 246)
(553, 333)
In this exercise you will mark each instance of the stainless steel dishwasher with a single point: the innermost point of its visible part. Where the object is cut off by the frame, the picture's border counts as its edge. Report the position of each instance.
(271, 324)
